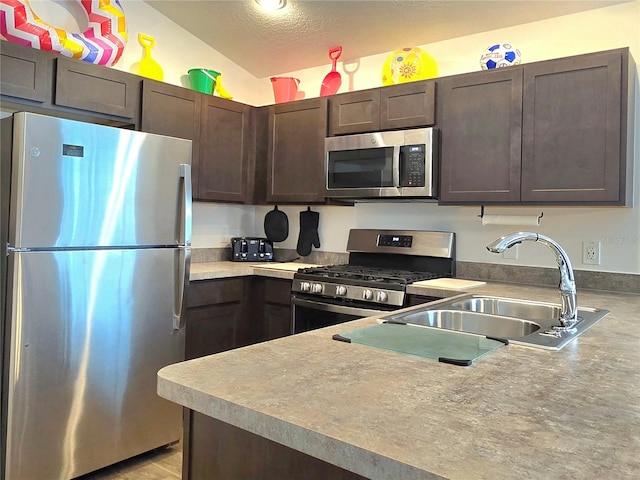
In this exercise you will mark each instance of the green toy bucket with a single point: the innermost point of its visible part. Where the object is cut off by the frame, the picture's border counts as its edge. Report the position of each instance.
(203, 80)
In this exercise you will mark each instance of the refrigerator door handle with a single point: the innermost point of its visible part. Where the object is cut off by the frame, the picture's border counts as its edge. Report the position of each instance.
(182, 280)
(185, 177)
(184, 264)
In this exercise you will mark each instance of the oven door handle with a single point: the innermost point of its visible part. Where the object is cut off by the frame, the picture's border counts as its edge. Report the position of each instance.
(328, 307)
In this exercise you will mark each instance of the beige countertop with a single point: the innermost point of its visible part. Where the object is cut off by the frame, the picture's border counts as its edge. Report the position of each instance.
(516, 413)
(225, 269)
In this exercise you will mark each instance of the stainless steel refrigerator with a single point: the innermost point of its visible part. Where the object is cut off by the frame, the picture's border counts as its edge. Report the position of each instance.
(96, 229)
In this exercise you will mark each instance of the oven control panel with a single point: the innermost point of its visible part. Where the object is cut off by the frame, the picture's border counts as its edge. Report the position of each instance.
(348, 292)
(395, 241)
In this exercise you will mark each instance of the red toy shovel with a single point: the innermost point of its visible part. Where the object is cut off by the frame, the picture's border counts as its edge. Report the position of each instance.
(332, 80)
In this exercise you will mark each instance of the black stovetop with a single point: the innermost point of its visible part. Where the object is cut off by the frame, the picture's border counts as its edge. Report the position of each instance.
(356, 273)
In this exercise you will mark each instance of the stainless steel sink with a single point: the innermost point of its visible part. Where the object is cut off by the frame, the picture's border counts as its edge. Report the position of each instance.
(534, 311)
(472, 322)
(522, 322)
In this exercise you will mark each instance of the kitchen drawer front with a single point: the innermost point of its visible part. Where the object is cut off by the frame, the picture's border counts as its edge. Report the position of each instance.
(215, 292)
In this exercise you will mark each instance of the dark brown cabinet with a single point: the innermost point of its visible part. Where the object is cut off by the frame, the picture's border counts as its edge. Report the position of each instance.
(214, 310)
(234, 312)
(574, 130)
(293, 161)
(480, 121)
(221, 131)
(219, 450)
(226, 151)
(93, 88)
(277, 308)
(398, 106)
(26, 74)
(43, 82)
(552, 132)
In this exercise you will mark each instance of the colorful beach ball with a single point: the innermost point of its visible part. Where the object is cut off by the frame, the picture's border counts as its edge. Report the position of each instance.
(408, 65)
(500, 55)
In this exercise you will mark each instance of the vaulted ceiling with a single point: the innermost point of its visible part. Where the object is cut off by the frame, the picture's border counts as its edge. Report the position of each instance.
(300, 35)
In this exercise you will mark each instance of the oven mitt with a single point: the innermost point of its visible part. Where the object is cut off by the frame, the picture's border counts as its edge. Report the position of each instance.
(308, 232)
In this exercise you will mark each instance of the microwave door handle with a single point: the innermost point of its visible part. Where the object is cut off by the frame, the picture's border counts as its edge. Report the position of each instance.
(396, 165)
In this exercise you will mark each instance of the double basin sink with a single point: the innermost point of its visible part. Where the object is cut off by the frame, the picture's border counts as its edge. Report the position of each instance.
(521, 322)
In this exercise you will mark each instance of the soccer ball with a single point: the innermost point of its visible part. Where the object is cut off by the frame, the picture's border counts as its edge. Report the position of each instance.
(408, 65)
(500, 55)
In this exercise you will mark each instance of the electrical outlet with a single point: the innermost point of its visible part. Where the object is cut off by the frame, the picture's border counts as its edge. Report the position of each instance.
(591, 253)
(511, 253)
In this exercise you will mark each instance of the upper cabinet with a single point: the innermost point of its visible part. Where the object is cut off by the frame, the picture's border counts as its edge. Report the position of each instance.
(26, 74)
(84, 86)
(43, 82)
(480, 121)
(221, 131)
(552, 132)
(574, 141)
(405, 105)
(291, 151)
(226, 150)
(556, 132)
(173, 111)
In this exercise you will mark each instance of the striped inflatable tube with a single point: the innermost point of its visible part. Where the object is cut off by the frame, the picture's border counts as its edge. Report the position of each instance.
(102, 43)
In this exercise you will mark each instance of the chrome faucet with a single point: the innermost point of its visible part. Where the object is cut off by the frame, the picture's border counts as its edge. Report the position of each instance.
(569, 314)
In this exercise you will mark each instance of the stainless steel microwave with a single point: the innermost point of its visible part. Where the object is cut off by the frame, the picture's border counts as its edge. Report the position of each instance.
(399, 163)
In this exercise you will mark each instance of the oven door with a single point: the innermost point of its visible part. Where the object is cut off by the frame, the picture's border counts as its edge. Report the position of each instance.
(310, 313)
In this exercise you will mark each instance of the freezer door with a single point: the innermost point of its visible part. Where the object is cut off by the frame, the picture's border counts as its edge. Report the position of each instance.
(76, 184)
(89, 331)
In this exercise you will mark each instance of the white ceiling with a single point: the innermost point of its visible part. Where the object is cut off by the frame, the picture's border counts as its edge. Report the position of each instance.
(300, 35)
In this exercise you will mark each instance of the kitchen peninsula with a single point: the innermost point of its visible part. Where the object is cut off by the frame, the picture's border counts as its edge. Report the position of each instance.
(516, 413)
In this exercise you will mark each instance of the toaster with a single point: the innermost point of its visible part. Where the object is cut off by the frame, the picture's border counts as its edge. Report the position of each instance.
(251, 249)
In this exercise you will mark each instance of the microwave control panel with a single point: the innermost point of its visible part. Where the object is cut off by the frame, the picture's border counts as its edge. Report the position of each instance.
(412, 165)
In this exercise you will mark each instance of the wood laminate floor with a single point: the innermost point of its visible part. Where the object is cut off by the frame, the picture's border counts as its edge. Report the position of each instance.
(161, 464)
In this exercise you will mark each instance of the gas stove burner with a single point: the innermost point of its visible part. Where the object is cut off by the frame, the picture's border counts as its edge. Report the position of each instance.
(369, 274)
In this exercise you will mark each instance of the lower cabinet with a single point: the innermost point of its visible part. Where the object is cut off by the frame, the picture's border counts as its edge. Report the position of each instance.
(218, 450)
(215, 309)
(234, 312)
(229, 313)
(276, 321)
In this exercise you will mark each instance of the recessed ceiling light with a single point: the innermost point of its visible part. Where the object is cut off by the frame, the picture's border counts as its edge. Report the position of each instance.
(271, 4)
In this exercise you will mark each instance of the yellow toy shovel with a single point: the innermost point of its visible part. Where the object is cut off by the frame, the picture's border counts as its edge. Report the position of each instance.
(148, 66)
(220, 90)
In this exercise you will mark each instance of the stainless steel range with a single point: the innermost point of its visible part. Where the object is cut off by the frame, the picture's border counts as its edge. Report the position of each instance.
(381, 265)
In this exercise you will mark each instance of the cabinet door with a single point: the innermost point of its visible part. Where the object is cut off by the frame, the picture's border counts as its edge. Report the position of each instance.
(210, 329)
(173, 111)
(94, 88)
(354, 112)
(224, 151)
(25, 73)
(277, 308)
(408, 105)
(480, 131)
(295, 153)
(571, 150)
(215, 307)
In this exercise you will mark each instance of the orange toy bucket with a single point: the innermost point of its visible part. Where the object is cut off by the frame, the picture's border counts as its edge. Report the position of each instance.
(285, 89)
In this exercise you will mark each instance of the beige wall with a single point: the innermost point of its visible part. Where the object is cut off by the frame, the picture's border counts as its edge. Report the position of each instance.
(617, 228)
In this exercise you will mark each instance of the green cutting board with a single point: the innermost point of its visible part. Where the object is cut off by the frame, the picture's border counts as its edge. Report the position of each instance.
(447, 346)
